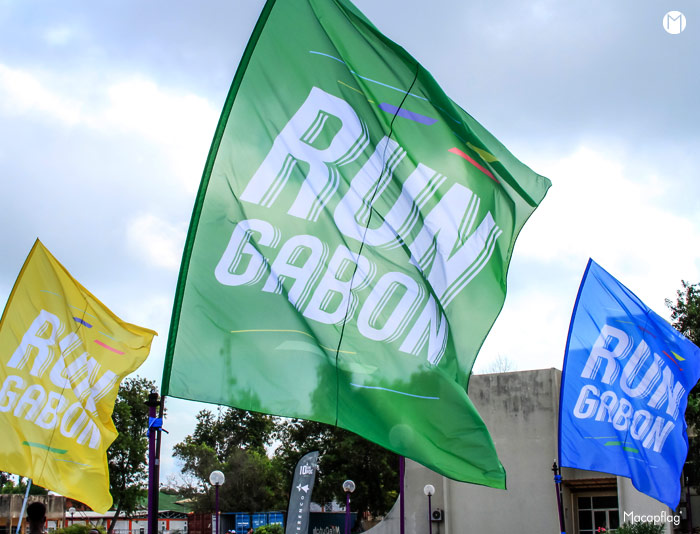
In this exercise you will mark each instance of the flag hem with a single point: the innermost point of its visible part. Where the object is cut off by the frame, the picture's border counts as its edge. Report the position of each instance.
(494, 485)
(566, 355)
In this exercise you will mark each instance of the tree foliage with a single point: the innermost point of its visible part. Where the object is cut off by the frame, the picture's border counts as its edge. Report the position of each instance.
(79, 528)
(126, 457)
(343, 455)
(639, 527)
(7, 485)
(233, 442)
(269, 529)
(685, 313)
(502, 364)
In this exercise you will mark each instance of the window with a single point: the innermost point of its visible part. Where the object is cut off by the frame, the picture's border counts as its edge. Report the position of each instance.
(595, 511)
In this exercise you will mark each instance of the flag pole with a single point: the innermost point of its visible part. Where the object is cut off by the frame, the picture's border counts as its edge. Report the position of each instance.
(688, 507)
(402, 471)
(24, 506)
(557, 486)
(159, 435)
(154, 424)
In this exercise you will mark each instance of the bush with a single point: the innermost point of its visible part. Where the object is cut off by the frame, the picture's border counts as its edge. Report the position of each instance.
(80, 528)
(639, 528)
(269, 529)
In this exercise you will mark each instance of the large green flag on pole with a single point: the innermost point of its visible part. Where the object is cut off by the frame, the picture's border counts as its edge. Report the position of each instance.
(349, 244)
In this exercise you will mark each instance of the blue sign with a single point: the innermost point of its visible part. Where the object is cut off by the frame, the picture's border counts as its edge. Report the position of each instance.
(242, 523)
(625, 384)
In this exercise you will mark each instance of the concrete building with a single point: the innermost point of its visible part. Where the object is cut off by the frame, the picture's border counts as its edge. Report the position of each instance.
(169, 522)
(172, 518)
(11, 507)
(521, 412)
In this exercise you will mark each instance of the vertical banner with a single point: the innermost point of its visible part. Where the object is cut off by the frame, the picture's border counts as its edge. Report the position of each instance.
(300, 494)
(63, 355)
(349, 244)
(627, 374)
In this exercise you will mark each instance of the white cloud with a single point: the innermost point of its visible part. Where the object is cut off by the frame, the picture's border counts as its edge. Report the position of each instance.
(617, 211)
(23, 93)
(157, 241)
(531, 330)
(603, 205)
(178, 126)
(181, 124)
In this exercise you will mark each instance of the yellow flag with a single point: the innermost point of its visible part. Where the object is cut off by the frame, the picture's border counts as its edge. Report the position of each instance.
(62, 357)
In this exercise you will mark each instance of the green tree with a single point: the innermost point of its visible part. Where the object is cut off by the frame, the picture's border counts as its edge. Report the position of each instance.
(127, 455)
(685, 313)
(7, 485)
(639, 528)
(343, 455)
(269, 529)
(235, 443)
(79, 529)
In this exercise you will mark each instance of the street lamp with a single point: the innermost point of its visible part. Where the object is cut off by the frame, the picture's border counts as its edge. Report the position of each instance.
(217, 479)
(71, 511)
(348, 488)
(429, 490)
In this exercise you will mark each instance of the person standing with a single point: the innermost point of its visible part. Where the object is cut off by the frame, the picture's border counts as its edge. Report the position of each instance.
(36, 517)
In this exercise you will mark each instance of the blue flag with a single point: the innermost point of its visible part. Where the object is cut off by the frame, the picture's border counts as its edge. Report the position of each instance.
(627, 374)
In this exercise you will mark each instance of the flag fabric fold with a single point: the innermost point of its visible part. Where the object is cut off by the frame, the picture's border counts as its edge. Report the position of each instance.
(62, 357)
(627, 375)
(349, 244)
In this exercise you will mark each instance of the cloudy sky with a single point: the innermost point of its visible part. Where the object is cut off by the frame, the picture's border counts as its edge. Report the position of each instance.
(107, 110)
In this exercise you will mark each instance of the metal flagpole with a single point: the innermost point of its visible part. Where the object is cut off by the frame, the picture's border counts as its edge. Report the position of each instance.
(159, 434)
(688, 508)
(154, 424)
(24, 506)
(557, 486)
(402, 471)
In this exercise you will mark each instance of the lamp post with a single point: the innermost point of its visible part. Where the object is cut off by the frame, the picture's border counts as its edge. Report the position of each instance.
(429, 490)
(217, 479)
(71, 511)
(348, 488)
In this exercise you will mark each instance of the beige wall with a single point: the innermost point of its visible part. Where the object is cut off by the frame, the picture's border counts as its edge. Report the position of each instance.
(637, 504)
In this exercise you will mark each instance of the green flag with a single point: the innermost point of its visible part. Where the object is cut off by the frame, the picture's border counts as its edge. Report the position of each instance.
(349, 245)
